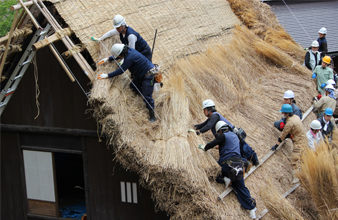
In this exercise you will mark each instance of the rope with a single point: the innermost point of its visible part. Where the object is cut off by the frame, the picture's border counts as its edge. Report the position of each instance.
(297, 20)
(37, 90)
(148, 103)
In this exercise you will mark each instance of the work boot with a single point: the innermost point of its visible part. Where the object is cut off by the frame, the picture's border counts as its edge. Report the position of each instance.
(152, 116)
(295, 179)
(255, 162)
(252, 213)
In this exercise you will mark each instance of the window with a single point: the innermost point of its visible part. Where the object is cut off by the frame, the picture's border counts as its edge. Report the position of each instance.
(128, 192)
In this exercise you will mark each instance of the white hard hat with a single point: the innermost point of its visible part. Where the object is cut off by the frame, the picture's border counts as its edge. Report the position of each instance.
(208, 103)
(220, 124)
(289, 95)
(116, 49)
(322, 30)
(315, 124)
(331, 82)
(315, 44)
(118, 21)
(330, 86)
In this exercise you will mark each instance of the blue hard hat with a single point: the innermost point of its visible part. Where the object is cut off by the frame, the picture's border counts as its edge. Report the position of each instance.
(328, 111)
(286, 108)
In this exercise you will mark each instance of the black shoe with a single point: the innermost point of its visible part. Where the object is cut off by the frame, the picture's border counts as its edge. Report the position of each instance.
(255, 162)
(152, 116)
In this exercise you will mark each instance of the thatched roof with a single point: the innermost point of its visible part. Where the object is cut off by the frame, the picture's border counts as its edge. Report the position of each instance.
(245, 71)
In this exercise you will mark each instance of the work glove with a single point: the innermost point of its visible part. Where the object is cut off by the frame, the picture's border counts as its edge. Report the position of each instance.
(202, 147)
(95, 39)
(323, 85)
(274, 147)
(191, 130)
(314, 75)
(103, 61)
(102, 76)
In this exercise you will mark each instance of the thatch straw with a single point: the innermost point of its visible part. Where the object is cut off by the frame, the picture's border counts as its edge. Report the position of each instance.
(258, 17)
(277, 205)
(246, 83)
(319, 176)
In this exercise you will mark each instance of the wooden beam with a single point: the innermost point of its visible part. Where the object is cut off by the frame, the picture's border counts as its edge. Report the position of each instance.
(8, 42)
(18, 33)
(55, 37)
(18, 6)
(62, 63)
(48, 130)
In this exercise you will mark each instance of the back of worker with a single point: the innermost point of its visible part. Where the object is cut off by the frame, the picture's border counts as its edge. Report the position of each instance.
(295, 127)
(230, 147)
(140, 45)
(324, 103)
(221, 118)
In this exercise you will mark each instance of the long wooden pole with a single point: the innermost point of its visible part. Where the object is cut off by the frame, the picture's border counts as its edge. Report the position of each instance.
(8, 42)
(30, 15)
(61, 63)
(18, 6)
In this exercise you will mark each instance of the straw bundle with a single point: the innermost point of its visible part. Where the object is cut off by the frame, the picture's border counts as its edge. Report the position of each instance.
(278, 206)
(258, 17)
(319, 176)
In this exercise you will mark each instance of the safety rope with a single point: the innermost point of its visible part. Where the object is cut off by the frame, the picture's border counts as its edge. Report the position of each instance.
(166, 126)
(297, 20)
(37, 90)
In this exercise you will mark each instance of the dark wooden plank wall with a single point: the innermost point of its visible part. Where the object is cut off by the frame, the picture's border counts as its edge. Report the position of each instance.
(62, 103)
(12, 183)
(105, 191)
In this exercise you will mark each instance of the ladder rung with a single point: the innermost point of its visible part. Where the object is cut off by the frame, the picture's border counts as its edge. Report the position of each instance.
(2, 104)
(24, 63)
(17, 77)
(42, 33)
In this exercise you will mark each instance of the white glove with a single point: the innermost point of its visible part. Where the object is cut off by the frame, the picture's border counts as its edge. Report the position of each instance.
(191, 130)
(102, 76)
(95, 39)
(103, 61)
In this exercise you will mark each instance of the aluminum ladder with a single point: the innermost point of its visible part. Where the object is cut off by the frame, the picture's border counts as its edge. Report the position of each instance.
(20, 69)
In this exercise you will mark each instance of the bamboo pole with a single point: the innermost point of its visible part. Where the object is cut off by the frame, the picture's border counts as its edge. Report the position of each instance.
(61, 63)
(55, 37)
(36, 24)
(18, 6)
(8, 42)
(67, 41)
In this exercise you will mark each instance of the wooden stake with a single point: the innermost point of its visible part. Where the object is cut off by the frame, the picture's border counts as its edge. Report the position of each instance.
(8, 42)
(61, 62)
(30, 15)
(18, 6)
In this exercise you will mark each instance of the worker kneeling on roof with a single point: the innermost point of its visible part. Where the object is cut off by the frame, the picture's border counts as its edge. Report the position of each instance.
(295, 127)
(289, 98)
(141, 69)
(327, 125)
(232, 164)
(213, 116)
(127, 36)
(327, 101)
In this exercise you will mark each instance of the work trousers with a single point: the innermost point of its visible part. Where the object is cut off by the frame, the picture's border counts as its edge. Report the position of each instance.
(242, 193)
(295, 157)
(248, 153)
(146, 87)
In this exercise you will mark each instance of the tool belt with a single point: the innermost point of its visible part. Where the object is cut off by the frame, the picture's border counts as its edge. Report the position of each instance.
(236, 164)
(156, 73)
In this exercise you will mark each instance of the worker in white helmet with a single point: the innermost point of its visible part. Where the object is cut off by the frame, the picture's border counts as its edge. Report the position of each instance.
(322, 41)
(327, 101)
(127, 36)
(289, 98)
(314, 135)
(312, 57)
(142, 70)
(213, 116)
(232, 164)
